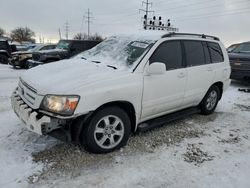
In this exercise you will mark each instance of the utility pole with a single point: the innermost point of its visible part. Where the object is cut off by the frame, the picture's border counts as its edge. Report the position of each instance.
(60, 33)
(146, 11)
(88, 21)
(40, 39)
(67, 30)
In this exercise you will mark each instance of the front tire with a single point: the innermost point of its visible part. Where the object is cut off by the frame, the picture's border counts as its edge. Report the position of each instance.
(107, 130)
(210, 101)
(3, 59)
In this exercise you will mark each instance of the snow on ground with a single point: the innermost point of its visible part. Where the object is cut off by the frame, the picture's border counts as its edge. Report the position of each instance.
(199, 151)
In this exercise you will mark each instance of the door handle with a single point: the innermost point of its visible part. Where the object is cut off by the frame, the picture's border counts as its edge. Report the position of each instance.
(181, 75)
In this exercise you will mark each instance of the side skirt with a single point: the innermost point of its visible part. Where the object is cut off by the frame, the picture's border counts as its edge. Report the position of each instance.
(153, 123)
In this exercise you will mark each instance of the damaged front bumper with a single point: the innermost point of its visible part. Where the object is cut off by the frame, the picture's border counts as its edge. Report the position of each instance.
(34, 121)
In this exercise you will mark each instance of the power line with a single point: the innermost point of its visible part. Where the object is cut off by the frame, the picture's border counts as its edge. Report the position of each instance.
(200, 8)
(213, 14)
(187, 5)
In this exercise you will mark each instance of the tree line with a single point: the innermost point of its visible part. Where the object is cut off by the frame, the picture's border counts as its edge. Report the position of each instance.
(21, 34)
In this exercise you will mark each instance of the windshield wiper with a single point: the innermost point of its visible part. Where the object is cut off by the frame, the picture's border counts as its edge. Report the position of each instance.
(83, 58)
(96, 61)
(112, 67)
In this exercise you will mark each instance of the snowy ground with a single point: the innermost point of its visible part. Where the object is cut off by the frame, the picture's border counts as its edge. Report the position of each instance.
(199, 151)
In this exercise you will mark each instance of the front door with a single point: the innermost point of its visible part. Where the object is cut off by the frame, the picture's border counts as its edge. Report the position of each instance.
(164, 93)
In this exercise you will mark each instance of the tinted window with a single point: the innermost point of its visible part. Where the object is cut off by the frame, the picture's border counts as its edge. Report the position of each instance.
(77, 46)
(215, 52)
(3, 45)
(245, 47)
(194, 53)
(206, 52)
(48, 47)
(169, 53)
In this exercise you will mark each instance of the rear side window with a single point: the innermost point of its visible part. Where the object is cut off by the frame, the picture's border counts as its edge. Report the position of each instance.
(169, 53)
(215, 52)
(194, 53)
(77, 46)
(206, 53)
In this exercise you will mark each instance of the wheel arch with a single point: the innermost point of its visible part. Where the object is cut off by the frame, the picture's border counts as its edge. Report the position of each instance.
(220, 86)
(128, 107)
(77, 125)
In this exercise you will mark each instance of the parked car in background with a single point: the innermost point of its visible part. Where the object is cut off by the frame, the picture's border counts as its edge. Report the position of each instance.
(20, 58)
(31, 46)
(64, 50)
(240, 61)
(5, 51)
(124, 84)
(232, 47)
(21, 47)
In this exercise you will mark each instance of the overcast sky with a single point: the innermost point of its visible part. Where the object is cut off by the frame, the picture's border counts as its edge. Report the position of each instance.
(227, 19)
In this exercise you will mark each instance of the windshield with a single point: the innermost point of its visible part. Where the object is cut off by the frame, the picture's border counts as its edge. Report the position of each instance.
(245, 47)
(118, 51)
(36, 48)
(63, 45)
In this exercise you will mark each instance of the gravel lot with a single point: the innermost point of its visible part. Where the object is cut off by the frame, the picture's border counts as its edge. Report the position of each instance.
(198, 151)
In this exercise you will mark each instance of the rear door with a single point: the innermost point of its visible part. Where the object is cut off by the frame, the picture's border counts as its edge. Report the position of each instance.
(200, 71)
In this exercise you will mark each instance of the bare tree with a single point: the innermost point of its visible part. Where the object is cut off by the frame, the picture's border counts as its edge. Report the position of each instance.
(96, 36)
(2, 32)
(78, 36)
(22, 34)
(84, 36)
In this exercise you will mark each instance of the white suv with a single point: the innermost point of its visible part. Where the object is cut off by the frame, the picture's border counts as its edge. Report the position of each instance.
(123, 84)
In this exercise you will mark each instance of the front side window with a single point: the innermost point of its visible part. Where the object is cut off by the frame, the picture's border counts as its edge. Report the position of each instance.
(215, 52)
(194, 53)
(170, 54)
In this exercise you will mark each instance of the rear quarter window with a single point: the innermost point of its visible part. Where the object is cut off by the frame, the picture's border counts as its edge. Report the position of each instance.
(215, 52)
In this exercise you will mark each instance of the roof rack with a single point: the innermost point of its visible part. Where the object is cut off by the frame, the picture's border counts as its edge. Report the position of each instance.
(190, 34)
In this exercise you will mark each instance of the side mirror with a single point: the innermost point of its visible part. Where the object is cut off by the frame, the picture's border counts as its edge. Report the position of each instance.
(156, 68)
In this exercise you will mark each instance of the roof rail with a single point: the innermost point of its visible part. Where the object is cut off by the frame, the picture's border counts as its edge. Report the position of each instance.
(190, 34)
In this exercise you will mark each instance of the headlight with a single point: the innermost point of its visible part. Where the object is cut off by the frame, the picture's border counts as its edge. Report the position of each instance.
(64, 105)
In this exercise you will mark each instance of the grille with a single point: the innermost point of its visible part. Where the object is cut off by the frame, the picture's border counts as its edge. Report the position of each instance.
(27, 93)
(36, 57)
(245, 65)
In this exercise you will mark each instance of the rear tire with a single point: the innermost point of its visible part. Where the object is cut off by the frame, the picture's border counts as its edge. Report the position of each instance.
(210, 101)
(107, 130)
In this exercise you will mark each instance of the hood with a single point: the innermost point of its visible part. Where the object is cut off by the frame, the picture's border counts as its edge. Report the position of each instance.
(67, 76)
(239, 56)
(21, 52)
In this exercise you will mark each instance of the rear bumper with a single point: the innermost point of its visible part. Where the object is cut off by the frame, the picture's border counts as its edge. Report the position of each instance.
(40, 124)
